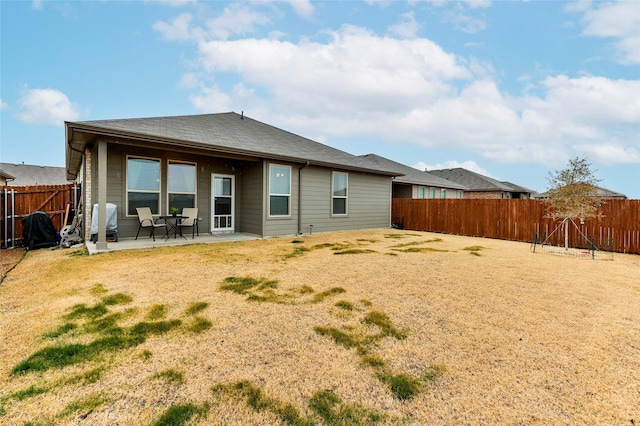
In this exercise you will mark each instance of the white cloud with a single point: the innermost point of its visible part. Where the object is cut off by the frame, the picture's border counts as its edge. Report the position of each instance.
(346, 87)
(617, 20)
(303, 8)
(452, 164)
(408, 27)
(47, 106)
(236, 19)
(3, 104)
(463, 21)
(36, 5)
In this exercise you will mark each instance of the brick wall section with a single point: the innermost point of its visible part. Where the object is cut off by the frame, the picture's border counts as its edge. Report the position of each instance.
(88, 207)
(481, 195)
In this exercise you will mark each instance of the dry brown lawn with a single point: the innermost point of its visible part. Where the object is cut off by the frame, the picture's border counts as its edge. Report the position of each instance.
(517, 337)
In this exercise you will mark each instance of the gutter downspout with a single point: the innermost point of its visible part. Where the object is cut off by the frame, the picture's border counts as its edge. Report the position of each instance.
(300, 197)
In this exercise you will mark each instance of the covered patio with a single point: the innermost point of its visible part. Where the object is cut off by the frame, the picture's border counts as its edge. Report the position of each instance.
(144, 242)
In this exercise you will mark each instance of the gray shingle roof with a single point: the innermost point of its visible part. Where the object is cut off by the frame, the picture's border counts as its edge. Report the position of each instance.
(27, 174)
(413, 176)
(229, 133)
(475, 181)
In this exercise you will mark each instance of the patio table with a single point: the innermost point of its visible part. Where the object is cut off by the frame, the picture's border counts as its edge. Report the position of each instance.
(173, 223)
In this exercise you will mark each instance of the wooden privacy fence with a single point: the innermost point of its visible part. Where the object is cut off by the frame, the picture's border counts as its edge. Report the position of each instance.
(618, 228)
(18, 202)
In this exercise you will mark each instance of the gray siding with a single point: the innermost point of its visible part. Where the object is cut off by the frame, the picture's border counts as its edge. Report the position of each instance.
(368, 203)
(249, 200)
(276, 226)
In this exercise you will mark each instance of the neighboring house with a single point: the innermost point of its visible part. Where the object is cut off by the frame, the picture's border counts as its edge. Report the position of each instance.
(481, 186)
(417, 184)
(243, 175)
(30, 175)
(600, 192)
(5, 177)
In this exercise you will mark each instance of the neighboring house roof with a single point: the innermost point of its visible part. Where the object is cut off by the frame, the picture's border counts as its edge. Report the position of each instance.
(27, 174)
(229, 133)
(477, 182)
(599, 193)
(6, 176)
(411, 175)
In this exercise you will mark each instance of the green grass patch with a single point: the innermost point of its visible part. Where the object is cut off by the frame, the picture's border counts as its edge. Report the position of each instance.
(146, 355)
(434, 372)
(196, 307)
(345, 305)
(79, 253)
(473, 248)
(305, 289)
(145, 328)
(355, 251)
(373, 360)
(157, 312)
(84, 311)
(327, 293)
(420, 250)
(383, 321)
(107, 324)
(323, 245)
(403, 386)
(88, 377)
(366, 302)
(346, 340)
(364, 240)
(29, 392)
(242, 285)
(98, 290)
(117, 299)
(259, 401)
(87, 403)
(63, 329)
(177, 415)
(171, 376)
(298, 251)
(199, 324)
(330, 408)
(297, 242)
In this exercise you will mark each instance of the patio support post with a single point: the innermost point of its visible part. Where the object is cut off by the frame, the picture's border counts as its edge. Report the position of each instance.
(101, 244)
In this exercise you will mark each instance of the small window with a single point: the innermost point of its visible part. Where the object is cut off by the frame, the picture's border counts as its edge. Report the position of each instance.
(421, 192)
(181, 185)
(432, 193)
(339, 194)
(459, 194)
(443, 193)
(143, 184)
(279, 190)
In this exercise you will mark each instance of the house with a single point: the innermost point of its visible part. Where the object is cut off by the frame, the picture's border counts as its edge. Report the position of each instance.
(481, 186)
(31, 175)
(416, 184)
(243, 176)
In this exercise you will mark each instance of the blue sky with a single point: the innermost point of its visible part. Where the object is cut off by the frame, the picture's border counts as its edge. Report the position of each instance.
(511, 89)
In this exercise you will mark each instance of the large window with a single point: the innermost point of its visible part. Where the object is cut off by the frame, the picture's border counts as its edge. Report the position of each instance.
(181, 185)
(279, 190)
(421, 192)
(443, 193)
(143, 184)
(339, 194)
(432, 193)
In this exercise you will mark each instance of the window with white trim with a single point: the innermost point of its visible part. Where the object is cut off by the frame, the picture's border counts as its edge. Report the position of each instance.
(143, 184)
(279, 190)
(421, 192)
(432, 193)
(340, 184)
(459, 194)
(181, 185)
(443, 193)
